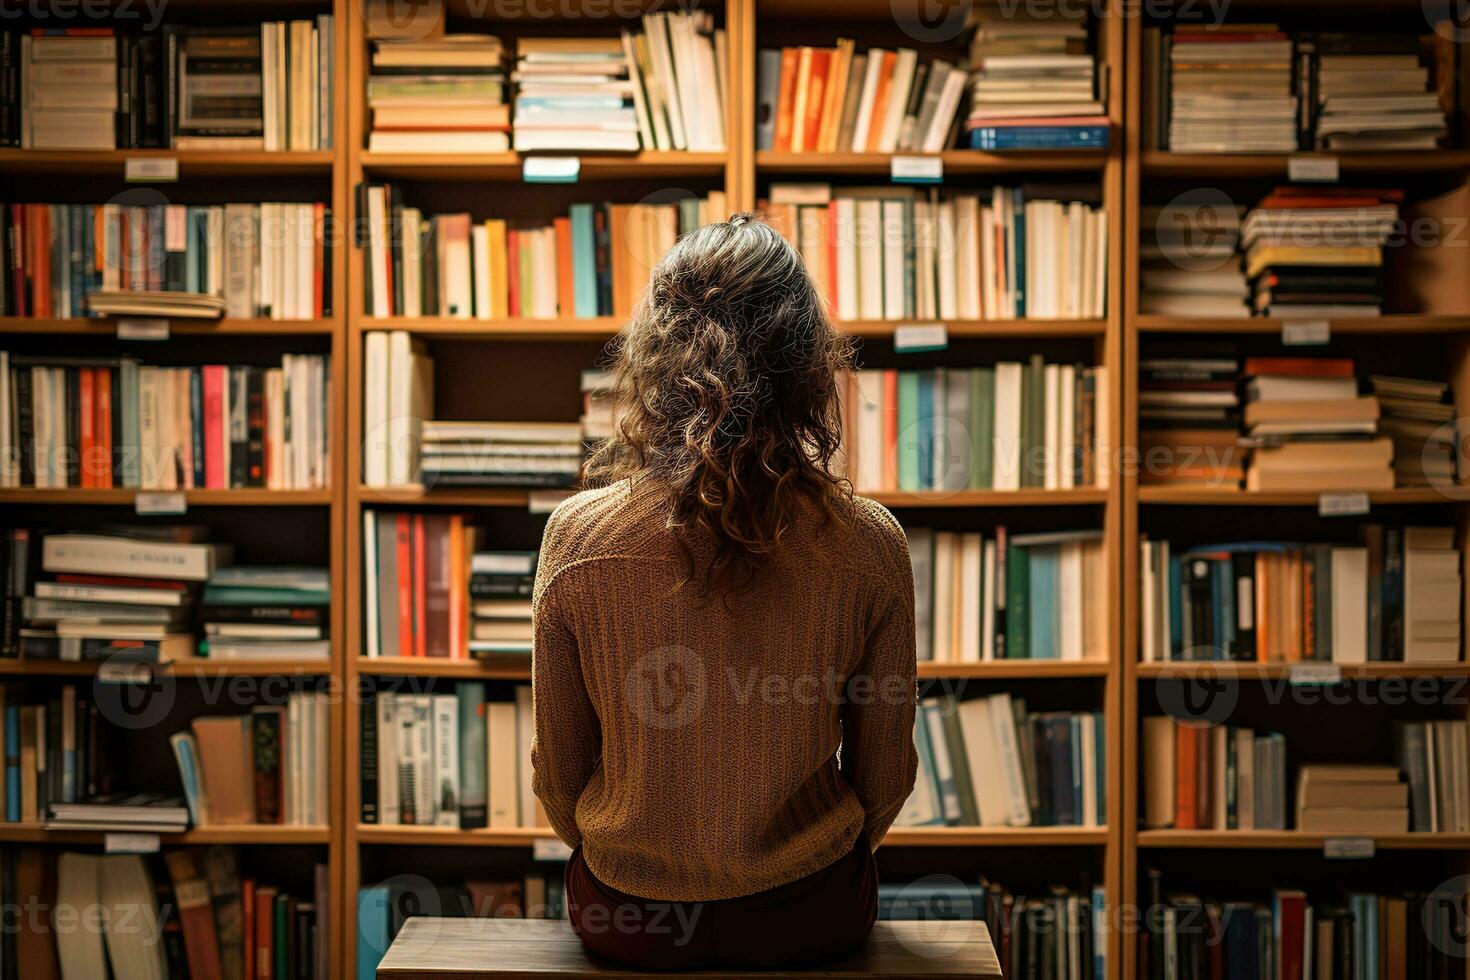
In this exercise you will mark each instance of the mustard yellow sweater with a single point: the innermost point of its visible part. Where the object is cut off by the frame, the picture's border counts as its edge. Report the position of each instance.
(691, 745)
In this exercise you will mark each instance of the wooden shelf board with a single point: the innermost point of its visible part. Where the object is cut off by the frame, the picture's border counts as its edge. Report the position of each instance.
(989, 498)
(194, 498)
(105, 325)
(1245, 670)
(519, 669)
(446, 496)
(1017, 669)
(1229, 497)
(604, 327)
(192, 163)
(507, 166)
(193, 667)
(31, 833)
(897, 837)
(1163, 163)
(1392, 323)
(984, 328)
(955, 162)
(1293, 840)
(368, 833)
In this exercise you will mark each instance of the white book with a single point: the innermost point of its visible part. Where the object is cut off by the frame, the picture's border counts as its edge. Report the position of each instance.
(375, 410)
(947, 247)
(969, 599)
(640, 100)
(663, 66)
(870, 258)
(410, 401)
(1006, 469)
(480, 250)
(455, 276)
(377, 251)
(967, 244)
(904, 67)
(860, 132)
(987, 778)
(894, 272)
(1052, 426)
(388, 808)
(1070, 598)
(987, 602)
(949, 101)
(1148, 598)
(96, 554)
(1350, 605)
(946, 547)
(446, 760)
(1067, 427)
(1100, 262)
(413, 268)
(869, 388)
(1102, 451)
(504, 776)
(845, 219)
(933, 713)
(989, 284)
(1002, 721)
(525, 730)
(1087, 750)
(1431, 606)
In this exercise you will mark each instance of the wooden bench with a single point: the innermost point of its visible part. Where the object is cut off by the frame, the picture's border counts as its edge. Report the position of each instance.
(475, 949)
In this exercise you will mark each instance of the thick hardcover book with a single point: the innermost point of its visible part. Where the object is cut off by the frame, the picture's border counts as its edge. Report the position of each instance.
(266, 736)
(368, 768)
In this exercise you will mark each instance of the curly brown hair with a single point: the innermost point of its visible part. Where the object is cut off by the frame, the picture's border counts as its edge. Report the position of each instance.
(726, 395)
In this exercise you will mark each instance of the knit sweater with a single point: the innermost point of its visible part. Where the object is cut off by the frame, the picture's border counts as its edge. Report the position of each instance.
(689, 743)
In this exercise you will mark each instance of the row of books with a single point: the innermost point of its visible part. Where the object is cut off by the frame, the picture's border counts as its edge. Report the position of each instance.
(593, 262)
(1004, 427)
(448, 760)
(63, 749)
(101, 422)
(990, 762)
(1395, 596)
(266, 612)
(1011, 597)
(1357, 934)
(1060, 934)
(895, 253)
(1215, 778)
(186, 87)
(268, 766)
(267, 261)
(1255, 88)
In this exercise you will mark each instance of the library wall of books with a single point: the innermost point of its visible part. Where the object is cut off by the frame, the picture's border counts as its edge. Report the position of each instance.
(1162, 318)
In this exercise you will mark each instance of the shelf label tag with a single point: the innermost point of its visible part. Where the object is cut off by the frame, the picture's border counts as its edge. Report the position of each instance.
(142, 328)
(1343, 503)
(124, 673)
(1347, 848)
(156, 504)
(150, 170)
(1312, 673)
(550, 849)
(545, 501)
(130, 843)
(1305, 333)
(551, 170)
(911, 338)
(916, 170)
(1312, 168)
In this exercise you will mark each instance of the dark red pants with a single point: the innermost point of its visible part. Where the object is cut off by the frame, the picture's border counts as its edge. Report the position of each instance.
(812, 920)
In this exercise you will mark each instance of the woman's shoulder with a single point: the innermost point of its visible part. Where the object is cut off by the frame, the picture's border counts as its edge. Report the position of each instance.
(592, 522)
(878, 532)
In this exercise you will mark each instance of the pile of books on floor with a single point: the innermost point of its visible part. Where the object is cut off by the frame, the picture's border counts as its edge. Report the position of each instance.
(126, 596)
(62, 750)
(825, 100)
(1189, 420)
(1432, 755)
(416, 567)
(194, 87)
(1318, 252)
(455, 759)
(1310, 429)
(1189, 263)
(1004, 427)
(1035, 82)
(500, 602)
(895, 253)
(1228, 89)
(679, 73)
(265, 767)
(1391, 935)
(1010, 596)
(1352, 799)
(443, 94)
(104, 422)
(268, 261)
(595, 261)
(1059, 932)
(1374, 93)
(1392, 597)
(267, 612)
(1215, 778)
(1414, 414)
(981, 760)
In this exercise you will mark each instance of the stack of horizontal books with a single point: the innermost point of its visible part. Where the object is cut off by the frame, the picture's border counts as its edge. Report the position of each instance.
(1352, 799)
(496, 454)
(439, 95)
(266, 612)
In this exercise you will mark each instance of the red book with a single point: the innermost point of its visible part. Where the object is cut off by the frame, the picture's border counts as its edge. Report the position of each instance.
(318, 254)
(247, 902)
(1301, 367)
(73, 578)
(420, 589)
(832, 259)
(513, 269)
(215, 381)
(785, 100)
(405, 584)
(104, 425)
(1291, 934)
(438, 625)
(38, 218)
(86, 411)
(265, 940)
(196, 913)
(1186, 776)
(890, 430)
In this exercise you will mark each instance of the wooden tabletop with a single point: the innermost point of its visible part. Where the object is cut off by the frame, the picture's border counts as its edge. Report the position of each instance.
(474, 949)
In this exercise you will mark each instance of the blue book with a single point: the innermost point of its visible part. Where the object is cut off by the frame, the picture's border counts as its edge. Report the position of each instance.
(1176, 609)
(1039, 138)
(1056, 734)
(569, 102)
(1100, 742)
(372, 930)
(584, 261)
(186, 754)
(196, 406)
(12, 764)
(1044, 569)
(923, 437)
(1075, 741)
(1019, 199)
(1099, 933)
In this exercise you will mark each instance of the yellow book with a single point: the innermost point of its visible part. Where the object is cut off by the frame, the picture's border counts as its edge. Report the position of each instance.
(1268, 255)
(499, 271)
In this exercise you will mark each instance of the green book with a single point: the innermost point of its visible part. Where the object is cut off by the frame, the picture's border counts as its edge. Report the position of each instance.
(282, 938)
(1033, 422)
(910, 446)
(982, 428)
(1018, 585)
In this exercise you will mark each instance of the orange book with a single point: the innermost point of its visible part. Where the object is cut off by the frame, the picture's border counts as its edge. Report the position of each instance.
(39, 220)
(828, 123)
(1302, 367)
(458, 587)
(265, 939)
(566, 304)
(420, 589)
(620, 226)
(196, 914)
(1264, 647)
(880, 102)
(785, 99)
(104, 426)
(816, 97)
(1186, 777)
(831, 246)
(318, 255)
(86, 408)
(890, 430)
(405, 584)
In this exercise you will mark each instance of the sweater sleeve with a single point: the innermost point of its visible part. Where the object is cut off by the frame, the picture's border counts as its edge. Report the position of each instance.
(878, 755)
(567, 744)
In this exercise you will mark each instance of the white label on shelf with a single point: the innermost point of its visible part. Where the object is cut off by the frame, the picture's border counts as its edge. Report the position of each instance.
(142, 328)
(150, 170)
(910, 338)
(550, 849)
(1305, 673)
(545, 501)
(551, 170)
(916, 170)
(1305, 333)
(1348, 848)
(130, 843)
(1312, 167)
(124, 673)
(1343, 503)
(160, 503)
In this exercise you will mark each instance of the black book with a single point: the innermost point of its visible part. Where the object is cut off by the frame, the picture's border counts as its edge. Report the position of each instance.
(327, 264)
(152, 86)
(73, 427)
(9, 89)
(394, 194)
(25, 425)
(367, 718)
(265, 615)
(602, 235)
(255, 423)
(429, 302)
(239, 428)
(196, 409)
(122, 123)
(1243, 573)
